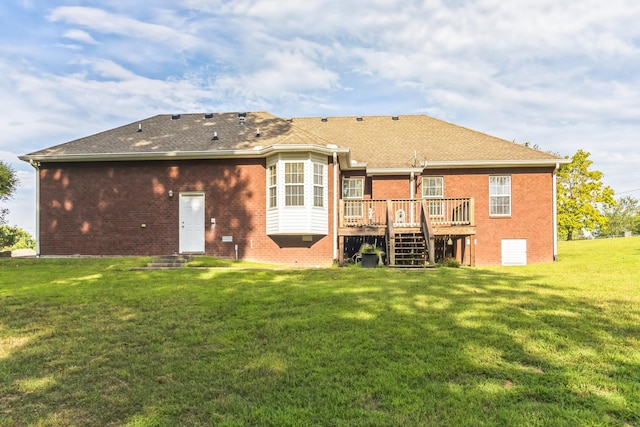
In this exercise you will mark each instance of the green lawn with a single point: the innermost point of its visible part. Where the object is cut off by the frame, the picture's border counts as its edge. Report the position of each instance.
(88, 342)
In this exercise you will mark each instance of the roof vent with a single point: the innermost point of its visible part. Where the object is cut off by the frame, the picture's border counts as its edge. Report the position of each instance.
(395, 118)
(242, 115)
(175, 116)
(208, 115)
(289, 119)
(139, 127)
(359, 118)
(257, 132)
(241, 120)
(324, 119)
(215, 136)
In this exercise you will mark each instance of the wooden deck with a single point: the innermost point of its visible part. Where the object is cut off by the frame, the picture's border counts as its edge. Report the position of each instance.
(452, 219)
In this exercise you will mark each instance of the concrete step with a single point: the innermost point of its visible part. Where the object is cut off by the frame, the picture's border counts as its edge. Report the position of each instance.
(169, 261)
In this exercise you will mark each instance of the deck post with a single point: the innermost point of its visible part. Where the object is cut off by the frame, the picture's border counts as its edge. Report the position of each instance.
(341, 251)
(432, 250)
(472, 243)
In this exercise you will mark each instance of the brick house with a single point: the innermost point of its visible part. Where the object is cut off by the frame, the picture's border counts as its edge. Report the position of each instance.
(303, 191)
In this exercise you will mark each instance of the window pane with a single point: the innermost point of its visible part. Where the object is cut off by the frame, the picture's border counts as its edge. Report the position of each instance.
(318, 197)
(433, 186)
(352, 188)
(318, 174)
(294, 173)
(500, 195)
(318, 182)
(294, 184)
(294, 195)
(272, 182)
(352, 209)
(273, 199)
(272, 175)
(436, 208)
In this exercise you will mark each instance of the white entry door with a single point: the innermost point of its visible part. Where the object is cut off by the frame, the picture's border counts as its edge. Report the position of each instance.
(191, 222)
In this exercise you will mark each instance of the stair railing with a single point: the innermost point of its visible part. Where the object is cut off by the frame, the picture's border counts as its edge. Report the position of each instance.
(391, 239)
(427, 231)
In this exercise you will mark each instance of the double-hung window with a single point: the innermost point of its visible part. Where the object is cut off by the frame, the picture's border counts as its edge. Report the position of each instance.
(433, 189)
(318, 185)
(352, 189)
(294, 184)
(500, 195)
(272, 186)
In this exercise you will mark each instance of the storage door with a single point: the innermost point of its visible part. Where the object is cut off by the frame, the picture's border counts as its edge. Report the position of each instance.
(514, 252)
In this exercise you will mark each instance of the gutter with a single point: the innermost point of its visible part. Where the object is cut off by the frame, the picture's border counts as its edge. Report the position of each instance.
(256, 152)
(445, 164)
(393, 171)
(335, 206)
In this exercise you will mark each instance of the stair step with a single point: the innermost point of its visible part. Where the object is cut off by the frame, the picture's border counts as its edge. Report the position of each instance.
(165, 264)
(163, 258)
(169, 261)
(410, 250)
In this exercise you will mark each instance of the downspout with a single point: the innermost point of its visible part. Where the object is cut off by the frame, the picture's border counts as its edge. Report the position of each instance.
(36, 166)
(412, 190)
(411, 196)
(335, 206)
(555, 213)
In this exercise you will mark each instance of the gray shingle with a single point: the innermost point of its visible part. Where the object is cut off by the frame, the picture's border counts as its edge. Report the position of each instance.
(379, 141)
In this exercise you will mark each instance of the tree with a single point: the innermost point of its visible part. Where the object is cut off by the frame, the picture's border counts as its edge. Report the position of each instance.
(636, 224)
(15, 238)
(621, 217)
(581, 194)
(8, 184)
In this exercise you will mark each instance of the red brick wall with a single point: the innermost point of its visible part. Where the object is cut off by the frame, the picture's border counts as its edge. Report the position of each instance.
(99, 209)
(531, 210)
(391, 187)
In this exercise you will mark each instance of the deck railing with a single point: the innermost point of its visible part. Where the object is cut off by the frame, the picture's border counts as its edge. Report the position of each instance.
(406, 212)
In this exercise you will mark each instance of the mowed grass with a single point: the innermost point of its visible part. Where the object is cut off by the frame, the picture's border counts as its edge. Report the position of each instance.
(88, 342)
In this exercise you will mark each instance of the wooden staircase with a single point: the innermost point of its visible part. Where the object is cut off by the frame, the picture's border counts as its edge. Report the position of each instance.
(408, 249)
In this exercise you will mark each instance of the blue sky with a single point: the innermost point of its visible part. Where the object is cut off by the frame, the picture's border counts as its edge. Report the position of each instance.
(564, 75)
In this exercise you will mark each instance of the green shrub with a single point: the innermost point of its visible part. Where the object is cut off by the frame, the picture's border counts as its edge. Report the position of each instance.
(449, 262)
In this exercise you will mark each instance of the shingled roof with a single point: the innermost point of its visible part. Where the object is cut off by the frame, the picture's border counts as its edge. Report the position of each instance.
(414, 140)
(382, 142)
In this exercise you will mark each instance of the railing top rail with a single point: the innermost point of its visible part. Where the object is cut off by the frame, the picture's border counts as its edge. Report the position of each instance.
(405, 212)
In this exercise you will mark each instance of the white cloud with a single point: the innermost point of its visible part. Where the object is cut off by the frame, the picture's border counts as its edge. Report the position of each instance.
(563, 75)
(80, 36)
(109, 23)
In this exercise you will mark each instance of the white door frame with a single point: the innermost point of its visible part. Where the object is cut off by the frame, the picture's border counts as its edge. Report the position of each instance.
(191, 223)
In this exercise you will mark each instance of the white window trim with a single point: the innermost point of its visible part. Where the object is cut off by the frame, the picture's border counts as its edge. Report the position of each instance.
(272, 171)
(510, 195)
(289, 185)
(347, 197)
(322, 185)
(306, 218)
(436, 210)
